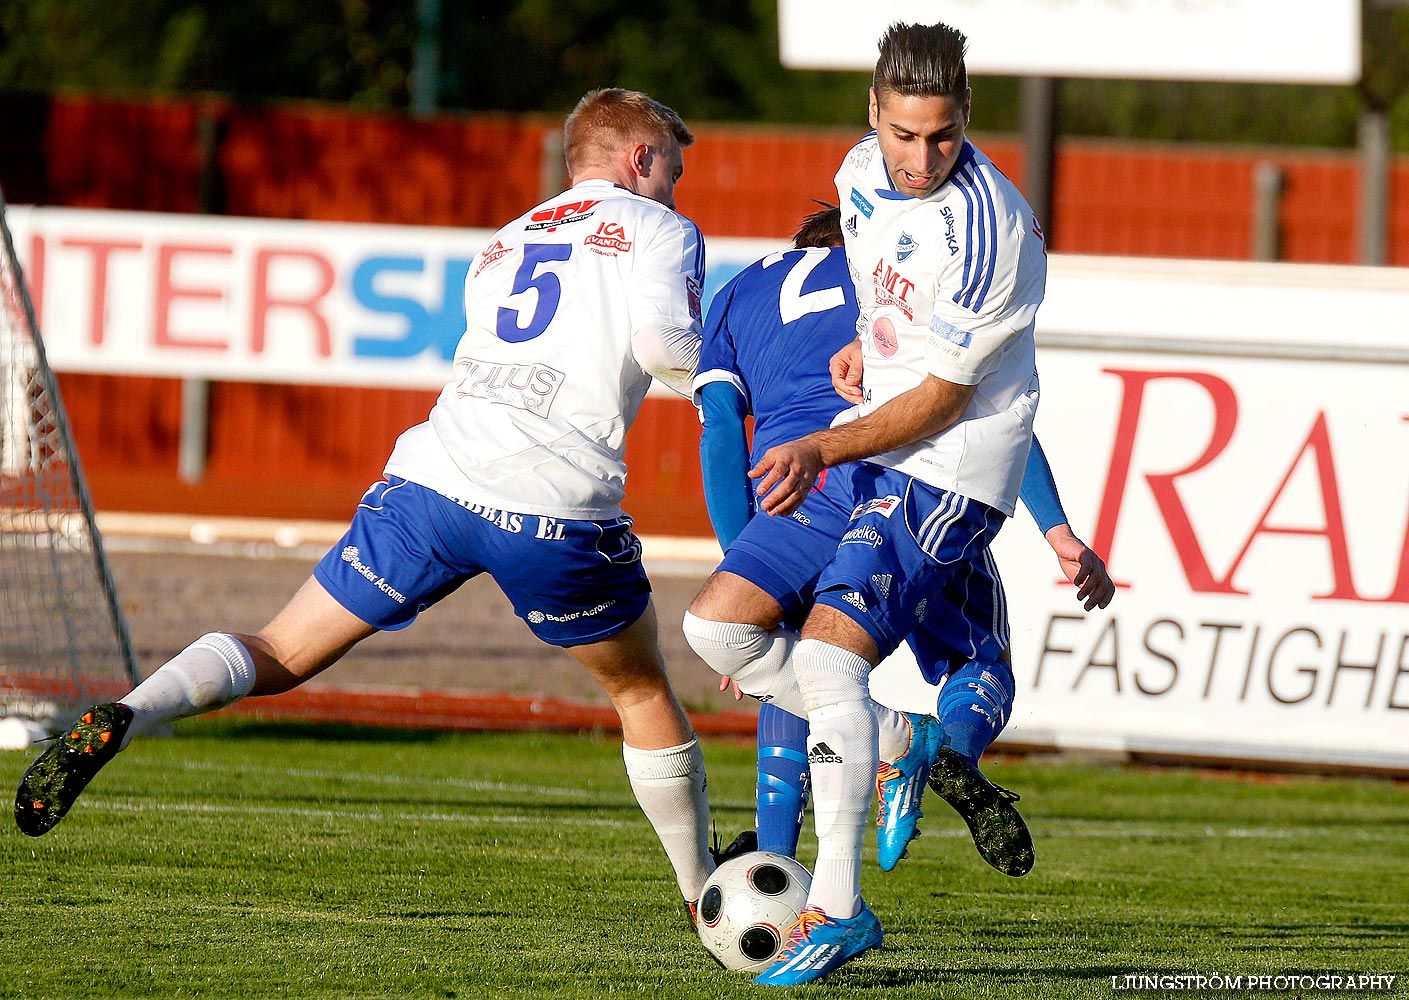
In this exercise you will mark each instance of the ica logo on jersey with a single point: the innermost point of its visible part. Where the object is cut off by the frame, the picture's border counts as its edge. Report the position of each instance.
(492, 253)
(609, 239)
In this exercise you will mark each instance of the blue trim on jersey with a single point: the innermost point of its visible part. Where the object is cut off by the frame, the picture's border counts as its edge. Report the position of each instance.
(892, 195)
(992, 206)
(981, 254)
(699, 252)
(980, 222)
(968, 236)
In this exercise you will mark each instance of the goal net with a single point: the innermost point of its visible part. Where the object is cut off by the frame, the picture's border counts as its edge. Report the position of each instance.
(63, 640)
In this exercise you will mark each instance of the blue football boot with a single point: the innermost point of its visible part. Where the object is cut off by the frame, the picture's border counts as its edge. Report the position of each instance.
(900, 785)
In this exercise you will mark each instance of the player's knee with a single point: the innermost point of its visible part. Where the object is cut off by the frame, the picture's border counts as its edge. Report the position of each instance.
(730, 648)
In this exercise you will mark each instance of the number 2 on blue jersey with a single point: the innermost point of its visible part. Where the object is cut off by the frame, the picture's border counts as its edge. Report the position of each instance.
(549, 288)
(793, 302)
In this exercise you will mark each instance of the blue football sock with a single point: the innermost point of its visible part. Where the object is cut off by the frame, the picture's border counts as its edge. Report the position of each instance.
(782, 779)
(974, 706)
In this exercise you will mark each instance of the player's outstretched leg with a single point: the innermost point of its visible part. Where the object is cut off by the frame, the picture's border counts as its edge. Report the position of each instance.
(974, 706)
(818, 944)
(53, 782)
(998, 829)
(899, 787)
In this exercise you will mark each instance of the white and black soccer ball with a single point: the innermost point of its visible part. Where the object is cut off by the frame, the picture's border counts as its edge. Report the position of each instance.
(747, 906)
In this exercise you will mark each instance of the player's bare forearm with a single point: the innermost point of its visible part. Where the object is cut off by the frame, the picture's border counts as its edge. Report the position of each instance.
(1083, 567)
(786, 472)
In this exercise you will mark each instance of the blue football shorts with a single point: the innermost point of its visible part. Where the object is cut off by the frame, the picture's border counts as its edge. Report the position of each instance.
(783, 555)
(408, 547)
(913, 564)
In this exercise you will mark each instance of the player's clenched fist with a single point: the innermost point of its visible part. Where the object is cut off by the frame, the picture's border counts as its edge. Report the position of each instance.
(786, 473)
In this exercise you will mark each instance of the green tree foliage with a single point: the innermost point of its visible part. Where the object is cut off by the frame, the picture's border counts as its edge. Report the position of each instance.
(354, 51)
(709, 59)
(713, 60)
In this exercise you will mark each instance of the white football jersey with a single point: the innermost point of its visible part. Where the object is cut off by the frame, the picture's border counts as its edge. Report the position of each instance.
(545, 382)
(949, 285)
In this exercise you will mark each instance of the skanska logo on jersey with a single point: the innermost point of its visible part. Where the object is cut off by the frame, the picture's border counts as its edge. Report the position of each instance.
(353, 557)
(951, 241)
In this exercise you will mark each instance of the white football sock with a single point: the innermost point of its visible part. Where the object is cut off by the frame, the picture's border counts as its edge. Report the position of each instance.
(755, 658)
(842, 757)
(893, 731)
(214, 671)
(669, 784)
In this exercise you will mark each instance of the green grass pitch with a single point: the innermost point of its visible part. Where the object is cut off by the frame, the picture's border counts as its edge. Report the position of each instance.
(239, 859)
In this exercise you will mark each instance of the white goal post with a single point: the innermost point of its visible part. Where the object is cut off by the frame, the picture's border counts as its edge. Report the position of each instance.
(63, 639)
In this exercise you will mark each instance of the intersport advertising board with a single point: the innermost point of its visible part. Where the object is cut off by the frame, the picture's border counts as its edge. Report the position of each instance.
(257, 300)
(1233, 437)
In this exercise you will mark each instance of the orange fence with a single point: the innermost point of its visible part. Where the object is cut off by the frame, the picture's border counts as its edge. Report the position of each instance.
(299, 451)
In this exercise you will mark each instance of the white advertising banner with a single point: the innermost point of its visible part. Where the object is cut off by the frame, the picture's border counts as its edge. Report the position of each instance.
(1250, 492)
(259, 300)
(1237, 40)
(1232, 437)
(245, 299)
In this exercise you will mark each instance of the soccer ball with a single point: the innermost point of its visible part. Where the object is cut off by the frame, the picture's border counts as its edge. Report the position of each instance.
(747, 906)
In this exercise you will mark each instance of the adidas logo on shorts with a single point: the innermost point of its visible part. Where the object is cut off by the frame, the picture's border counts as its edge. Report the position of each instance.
(855, 600)
(882, 582)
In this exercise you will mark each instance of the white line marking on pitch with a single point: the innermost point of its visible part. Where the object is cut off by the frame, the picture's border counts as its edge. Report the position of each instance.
(386, 779)
(304, 813)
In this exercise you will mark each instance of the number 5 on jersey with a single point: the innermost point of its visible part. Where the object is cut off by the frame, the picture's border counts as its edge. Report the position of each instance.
(545, 283)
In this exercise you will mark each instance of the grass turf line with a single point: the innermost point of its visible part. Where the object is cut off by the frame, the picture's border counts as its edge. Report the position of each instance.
(238, 859)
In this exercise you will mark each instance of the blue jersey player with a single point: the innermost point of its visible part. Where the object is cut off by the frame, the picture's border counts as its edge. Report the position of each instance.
(766, 336)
